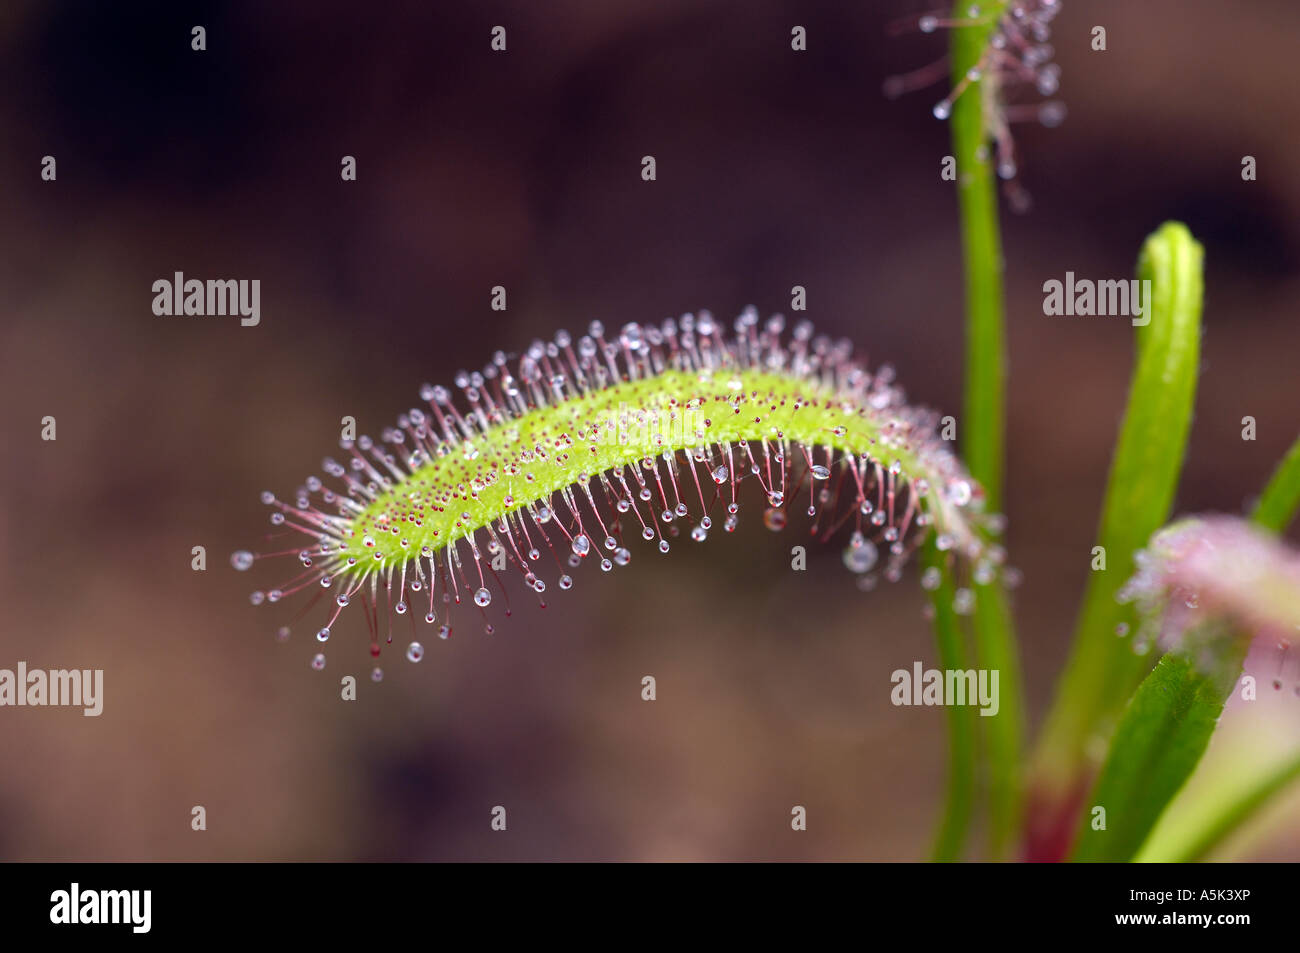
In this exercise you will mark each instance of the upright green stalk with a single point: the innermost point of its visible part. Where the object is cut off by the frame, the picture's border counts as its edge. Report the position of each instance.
(985, 403)
(951, 837)
(985, 395)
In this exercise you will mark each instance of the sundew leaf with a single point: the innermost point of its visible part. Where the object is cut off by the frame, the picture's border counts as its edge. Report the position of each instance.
(592, 445)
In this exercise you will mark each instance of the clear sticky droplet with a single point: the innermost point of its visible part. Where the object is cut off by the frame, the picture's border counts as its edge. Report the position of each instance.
(861, 554)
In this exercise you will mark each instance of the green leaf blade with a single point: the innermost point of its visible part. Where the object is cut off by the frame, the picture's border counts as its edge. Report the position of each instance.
(1160, 740)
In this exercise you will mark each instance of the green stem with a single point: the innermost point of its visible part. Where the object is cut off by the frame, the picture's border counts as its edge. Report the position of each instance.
(953, 829)
(985, 404)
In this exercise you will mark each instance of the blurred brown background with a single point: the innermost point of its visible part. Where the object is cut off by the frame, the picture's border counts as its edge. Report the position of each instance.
(523, 169)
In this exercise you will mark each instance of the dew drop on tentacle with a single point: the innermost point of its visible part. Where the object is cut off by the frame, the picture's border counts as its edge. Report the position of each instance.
(861, 554)
(414, 652)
